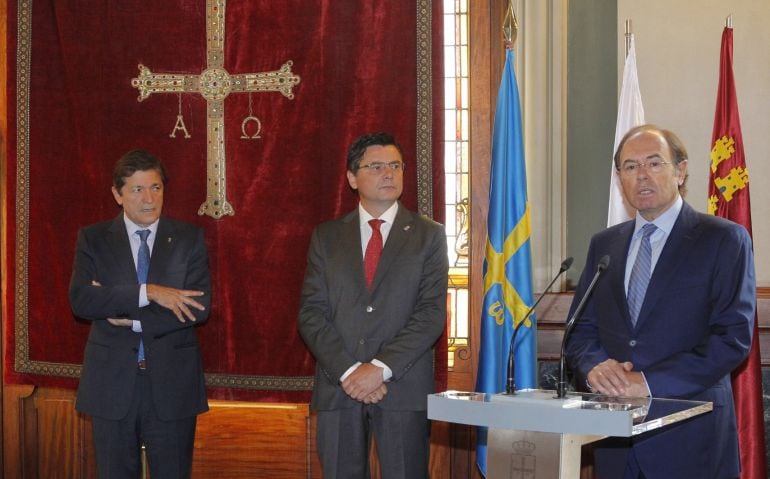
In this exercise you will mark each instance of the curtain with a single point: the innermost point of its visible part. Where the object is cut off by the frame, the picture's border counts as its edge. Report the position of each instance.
(362, 67)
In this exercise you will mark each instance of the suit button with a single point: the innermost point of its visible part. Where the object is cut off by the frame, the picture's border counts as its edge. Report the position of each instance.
(369, 309)
(632, 343)
(361, 341)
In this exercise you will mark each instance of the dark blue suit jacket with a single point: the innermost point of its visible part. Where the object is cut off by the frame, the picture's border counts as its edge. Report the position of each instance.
(179, 260)
(694, 328)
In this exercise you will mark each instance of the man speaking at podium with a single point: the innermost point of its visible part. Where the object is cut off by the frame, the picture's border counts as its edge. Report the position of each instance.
(671, 318)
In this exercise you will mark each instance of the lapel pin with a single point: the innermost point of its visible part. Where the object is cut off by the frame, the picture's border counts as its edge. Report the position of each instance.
(168, 240)
(407, 227)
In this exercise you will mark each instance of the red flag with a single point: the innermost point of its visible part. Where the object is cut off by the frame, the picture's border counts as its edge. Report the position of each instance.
(729, 198)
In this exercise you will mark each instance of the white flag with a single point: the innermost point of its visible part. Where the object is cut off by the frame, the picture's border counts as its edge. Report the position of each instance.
(630, 114)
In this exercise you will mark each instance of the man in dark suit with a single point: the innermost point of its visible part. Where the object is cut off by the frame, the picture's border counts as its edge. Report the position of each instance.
(372, 325)
(142, 280)
(677, 333)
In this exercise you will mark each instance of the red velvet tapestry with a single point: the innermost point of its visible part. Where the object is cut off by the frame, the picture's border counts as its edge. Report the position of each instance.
(73, 111)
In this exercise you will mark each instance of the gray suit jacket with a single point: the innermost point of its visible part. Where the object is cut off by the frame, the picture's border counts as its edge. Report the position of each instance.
(398, 322)
(178, 260)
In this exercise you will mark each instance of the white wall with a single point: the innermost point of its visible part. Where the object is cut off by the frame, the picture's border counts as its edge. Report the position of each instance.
(677, 50)
(541, 75)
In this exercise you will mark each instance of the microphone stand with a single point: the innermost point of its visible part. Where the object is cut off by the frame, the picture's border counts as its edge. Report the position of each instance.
(510, 383)
(561, 386)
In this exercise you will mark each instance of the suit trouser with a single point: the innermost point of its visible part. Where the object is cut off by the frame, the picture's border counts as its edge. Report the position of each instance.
(402, 439)
(169, 444)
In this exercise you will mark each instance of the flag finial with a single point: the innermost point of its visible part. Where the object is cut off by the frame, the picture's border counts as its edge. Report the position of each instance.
(510, 26)
(729, 21)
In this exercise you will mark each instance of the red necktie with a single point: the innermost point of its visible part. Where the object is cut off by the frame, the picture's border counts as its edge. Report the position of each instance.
(373, 252)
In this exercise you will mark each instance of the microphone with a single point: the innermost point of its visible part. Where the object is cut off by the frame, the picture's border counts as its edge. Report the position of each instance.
(510, 383)
(561, 387)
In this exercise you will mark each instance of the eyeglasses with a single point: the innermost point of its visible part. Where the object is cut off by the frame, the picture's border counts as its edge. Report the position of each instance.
(630, 168)
(377, 167)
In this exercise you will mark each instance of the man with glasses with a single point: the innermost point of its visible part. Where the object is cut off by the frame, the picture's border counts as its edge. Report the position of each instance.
(671, 317)
(373, 306)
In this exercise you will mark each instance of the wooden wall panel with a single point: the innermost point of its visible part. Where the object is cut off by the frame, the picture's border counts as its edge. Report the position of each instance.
(57, 431)
(12, 445)
(247, 440)
(44, 437)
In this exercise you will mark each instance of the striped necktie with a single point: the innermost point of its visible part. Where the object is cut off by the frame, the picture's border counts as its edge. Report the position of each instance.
(640, 273)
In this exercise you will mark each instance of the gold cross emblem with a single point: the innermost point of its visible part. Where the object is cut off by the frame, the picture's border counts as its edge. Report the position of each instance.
(215, 84)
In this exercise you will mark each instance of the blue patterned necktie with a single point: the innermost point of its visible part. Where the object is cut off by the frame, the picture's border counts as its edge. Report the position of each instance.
(640, 273)
(142, 267)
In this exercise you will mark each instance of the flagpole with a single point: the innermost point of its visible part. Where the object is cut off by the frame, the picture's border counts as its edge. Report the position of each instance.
(628, 35)
(630, 114)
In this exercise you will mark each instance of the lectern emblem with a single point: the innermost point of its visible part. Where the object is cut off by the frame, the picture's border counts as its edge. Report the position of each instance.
(523, 460)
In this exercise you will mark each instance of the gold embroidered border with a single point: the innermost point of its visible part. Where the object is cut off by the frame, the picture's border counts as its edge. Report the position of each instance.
(22, 363)
(424, 145)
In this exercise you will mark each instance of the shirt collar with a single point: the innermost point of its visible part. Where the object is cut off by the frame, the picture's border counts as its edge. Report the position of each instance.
(389, 216)
(132, 227)
(664, 222)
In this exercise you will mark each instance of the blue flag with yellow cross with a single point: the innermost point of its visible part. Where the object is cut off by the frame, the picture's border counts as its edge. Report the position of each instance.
(508, 260)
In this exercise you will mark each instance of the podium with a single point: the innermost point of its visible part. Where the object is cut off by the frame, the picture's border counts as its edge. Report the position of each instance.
(534, 435)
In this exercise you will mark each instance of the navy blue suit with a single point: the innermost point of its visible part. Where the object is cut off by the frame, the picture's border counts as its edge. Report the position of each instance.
(694, 328)
(179, 260)
(171, 392)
